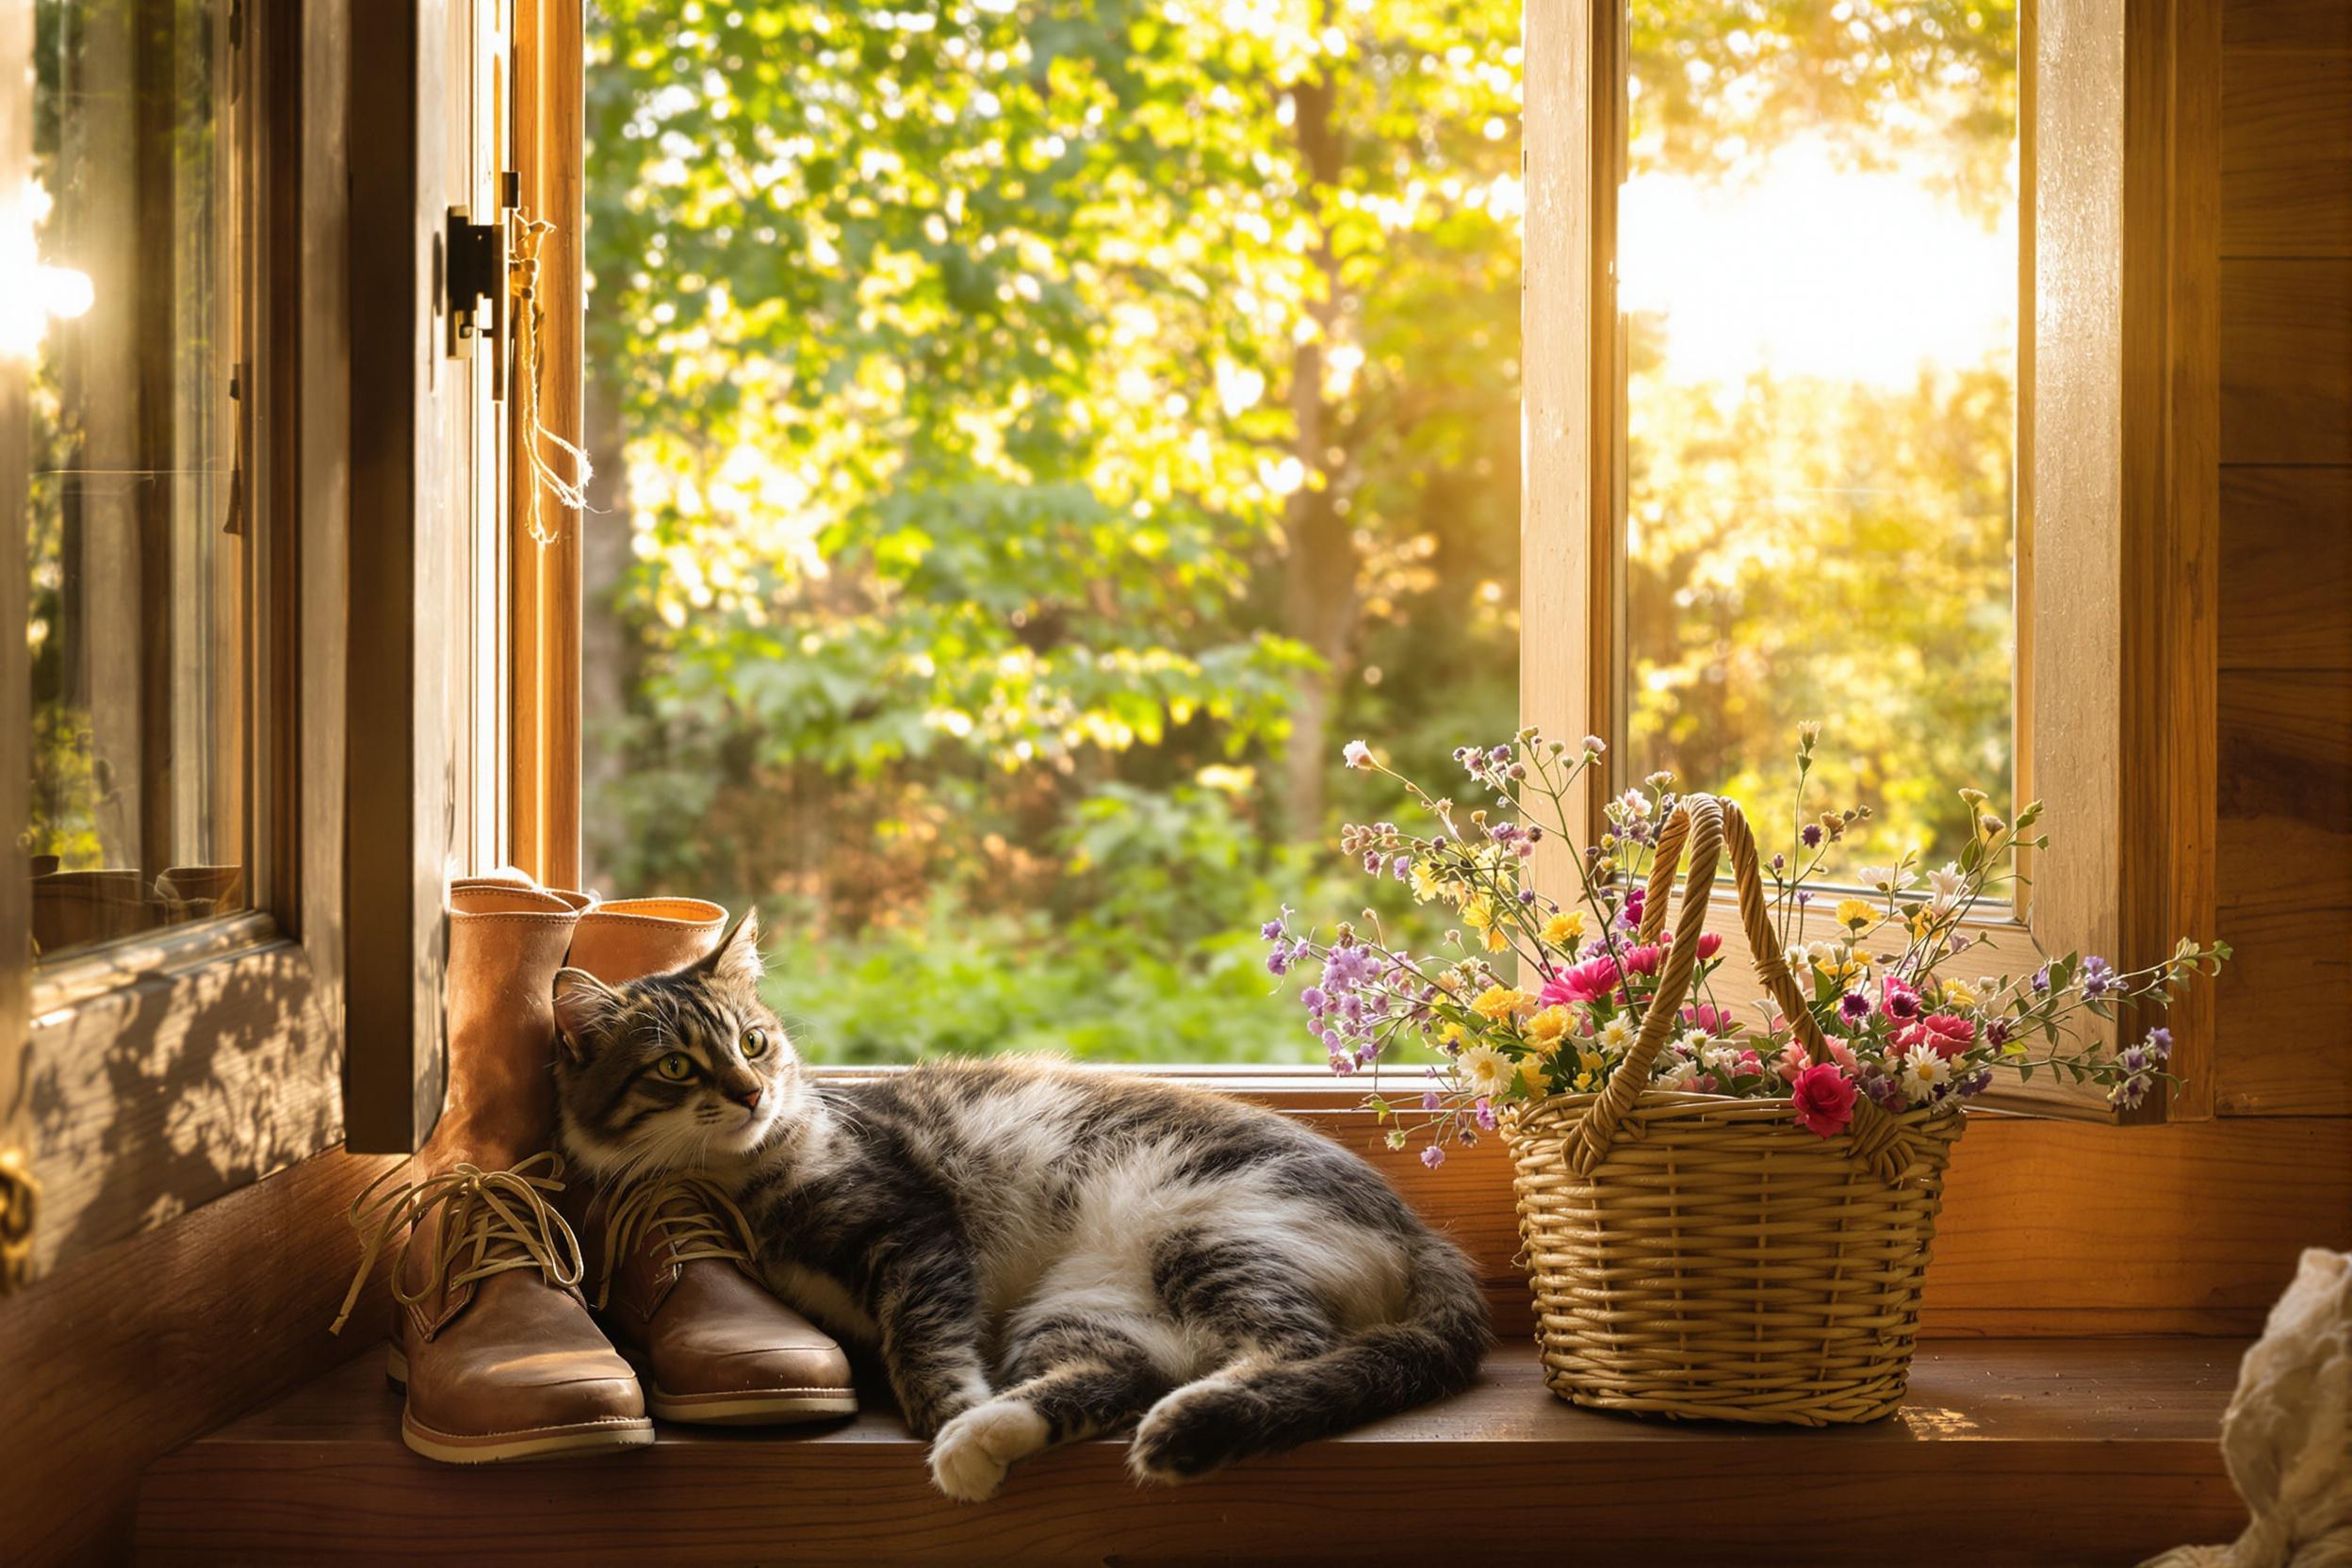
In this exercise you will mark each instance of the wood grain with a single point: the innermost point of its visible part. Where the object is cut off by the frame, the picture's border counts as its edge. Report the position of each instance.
(2286, 361)
(2287, 25)
(2066, 1452)
(2286, 870)
(2286, 573)
(545, 757)
(2286, 152)
(16, 719)
(115, 1359)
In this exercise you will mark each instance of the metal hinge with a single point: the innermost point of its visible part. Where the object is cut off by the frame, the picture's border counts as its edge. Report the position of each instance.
(20, 1210)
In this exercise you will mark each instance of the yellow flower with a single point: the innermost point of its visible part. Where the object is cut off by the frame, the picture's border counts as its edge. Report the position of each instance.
(1449, 1034)
(1479, 913)
(1531, 1075)
(1591, 1061)
(1546, 1028)
(1856, 916)
(1583, 1083)
(1497, 1003)
(1424, 884)
(1560, 930)
(1496, 938)
(1837, 967)
(1959, 993)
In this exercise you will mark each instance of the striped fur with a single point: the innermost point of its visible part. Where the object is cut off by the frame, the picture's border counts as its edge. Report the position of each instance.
(1040, 1252)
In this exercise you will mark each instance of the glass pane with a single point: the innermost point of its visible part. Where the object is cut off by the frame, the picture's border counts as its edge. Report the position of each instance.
(1043, 433)
(1819, 261)
(137, 627)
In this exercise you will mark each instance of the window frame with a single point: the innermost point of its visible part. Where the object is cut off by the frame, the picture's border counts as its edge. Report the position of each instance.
(2116, 535)
(153, 1073)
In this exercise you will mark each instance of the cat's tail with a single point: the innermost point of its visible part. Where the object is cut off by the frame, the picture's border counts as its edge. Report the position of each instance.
(1259, 1407)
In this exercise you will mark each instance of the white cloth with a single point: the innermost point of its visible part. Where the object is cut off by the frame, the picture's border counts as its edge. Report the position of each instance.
(2287, 1436)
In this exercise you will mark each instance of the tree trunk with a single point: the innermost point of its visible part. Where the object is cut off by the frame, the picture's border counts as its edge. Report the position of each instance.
(1319, 606)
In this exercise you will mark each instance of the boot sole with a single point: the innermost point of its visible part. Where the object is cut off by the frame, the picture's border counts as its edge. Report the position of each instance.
(754, 1408)
(604, 1435)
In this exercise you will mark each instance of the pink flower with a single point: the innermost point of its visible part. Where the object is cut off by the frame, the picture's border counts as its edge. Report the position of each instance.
(1644, 959)
(1946, 1034)
(1897, 1000)
(1710, 944)
(1749, 1064)
(1842, 1053)
(1824, 1099)
(1708, 1017)
(1793, 1061)
(1585, 982)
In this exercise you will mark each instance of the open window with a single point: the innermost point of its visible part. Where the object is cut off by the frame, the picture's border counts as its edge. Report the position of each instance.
(2088, 564)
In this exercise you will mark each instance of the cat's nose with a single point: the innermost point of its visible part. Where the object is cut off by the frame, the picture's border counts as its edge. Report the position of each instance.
(748, 1096)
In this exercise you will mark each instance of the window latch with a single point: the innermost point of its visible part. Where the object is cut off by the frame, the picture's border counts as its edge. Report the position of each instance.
(476, 270)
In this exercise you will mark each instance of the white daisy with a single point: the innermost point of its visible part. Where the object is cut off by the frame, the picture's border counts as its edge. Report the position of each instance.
(1485, 1071)
(1922, 1072)
(1617, 1034)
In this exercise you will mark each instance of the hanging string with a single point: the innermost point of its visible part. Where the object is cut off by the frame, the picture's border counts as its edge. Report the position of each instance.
(571, 491)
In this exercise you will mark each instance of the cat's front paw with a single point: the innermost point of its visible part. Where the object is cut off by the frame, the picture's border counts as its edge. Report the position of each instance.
(971, 1453)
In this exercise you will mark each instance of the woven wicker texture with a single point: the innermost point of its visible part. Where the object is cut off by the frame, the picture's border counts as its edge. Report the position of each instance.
(1692, 1256)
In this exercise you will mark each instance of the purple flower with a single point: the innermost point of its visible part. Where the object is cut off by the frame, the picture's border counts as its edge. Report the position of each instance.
(1429, 1102)
(1811, 837)
(1974, 1084)
(1271, 931)
(2160, 1044)
(2041, 981)
(1312, 998)
(2135, 1060)
(1343, 1063)
(1486, 1115)
(2130, 1093)
(1433, 1156)
(1278, 961)
(1854, 1007)
(2099, 979)
(1401, 868)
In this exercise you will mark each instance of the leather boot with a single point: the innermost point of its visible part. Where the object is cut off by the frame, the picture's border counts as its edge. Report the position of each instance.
(491, 1342)
(678, 1291)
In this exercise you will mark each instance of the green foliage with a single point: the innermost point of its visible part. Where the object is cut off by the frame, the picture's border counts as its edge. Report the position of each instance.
(1027, 411)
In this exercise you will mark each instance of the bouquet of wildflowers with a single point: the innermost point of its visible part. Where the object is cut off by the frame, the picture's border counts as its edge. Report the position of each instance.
(1535, 995)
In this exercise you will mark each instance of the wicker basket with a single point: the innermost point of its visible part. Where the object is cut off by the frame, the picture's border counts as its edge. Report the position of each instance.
(1693, 1255)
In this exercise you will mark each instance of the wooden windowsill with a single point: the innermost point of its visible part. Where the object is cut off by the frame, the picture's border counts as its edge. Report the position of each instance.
(2015, 1452)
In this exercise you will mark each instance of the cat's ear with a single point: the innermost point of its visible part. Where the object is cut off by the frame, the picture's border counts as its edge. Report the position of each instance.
(583, 1005)
(736, 960)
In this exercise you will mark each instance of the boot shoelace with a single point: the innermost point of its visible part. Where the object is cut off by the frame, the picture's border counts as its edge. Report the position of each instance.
(692, 1215)
(496, 1221)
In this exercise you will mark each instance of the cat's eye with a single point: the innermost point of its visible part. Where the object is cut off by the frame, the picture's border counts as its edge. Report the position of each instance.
(755, 1044)
(676, 1067)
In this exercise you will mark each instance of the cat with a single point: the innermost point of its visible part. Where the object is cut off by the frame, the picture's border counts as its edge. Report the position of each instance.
(1038, 1253)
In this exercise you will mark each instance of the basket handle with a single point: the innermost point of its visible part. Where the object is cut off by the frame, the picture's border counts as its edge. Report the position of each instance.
(1874, 1140)
(1698, 819)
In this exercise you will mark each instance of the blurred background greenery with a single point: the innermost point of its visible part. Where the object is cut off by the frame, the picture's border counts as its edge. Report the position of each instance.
(1035, 434)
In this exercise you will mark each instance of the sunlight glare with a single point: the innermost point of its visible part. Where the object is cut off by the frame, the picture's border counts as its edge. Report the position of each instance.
(1806, 269)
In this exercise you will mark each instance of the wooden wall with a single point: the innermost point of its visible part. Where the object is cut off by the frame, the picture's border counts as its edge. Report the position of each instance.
(2285, 874)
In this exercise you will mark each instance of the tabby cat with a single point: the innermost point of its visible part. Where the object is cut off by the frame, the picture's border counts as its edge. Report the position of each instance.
(1038, 1253)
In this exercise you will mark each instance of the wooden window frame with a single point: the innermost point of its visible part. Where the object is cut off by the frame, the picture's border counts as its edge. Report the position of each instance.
(151, 1074)
(2117, 510)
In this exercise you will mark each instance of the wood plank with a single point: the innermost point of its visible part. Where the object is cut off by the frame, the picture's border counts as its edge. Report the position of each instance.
(112, 1361)
(2286, 25)
(2286, 879)
(2066, 1451)
(549, 105)
(2286, 569)
(2286, 152)
(2286, 361)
